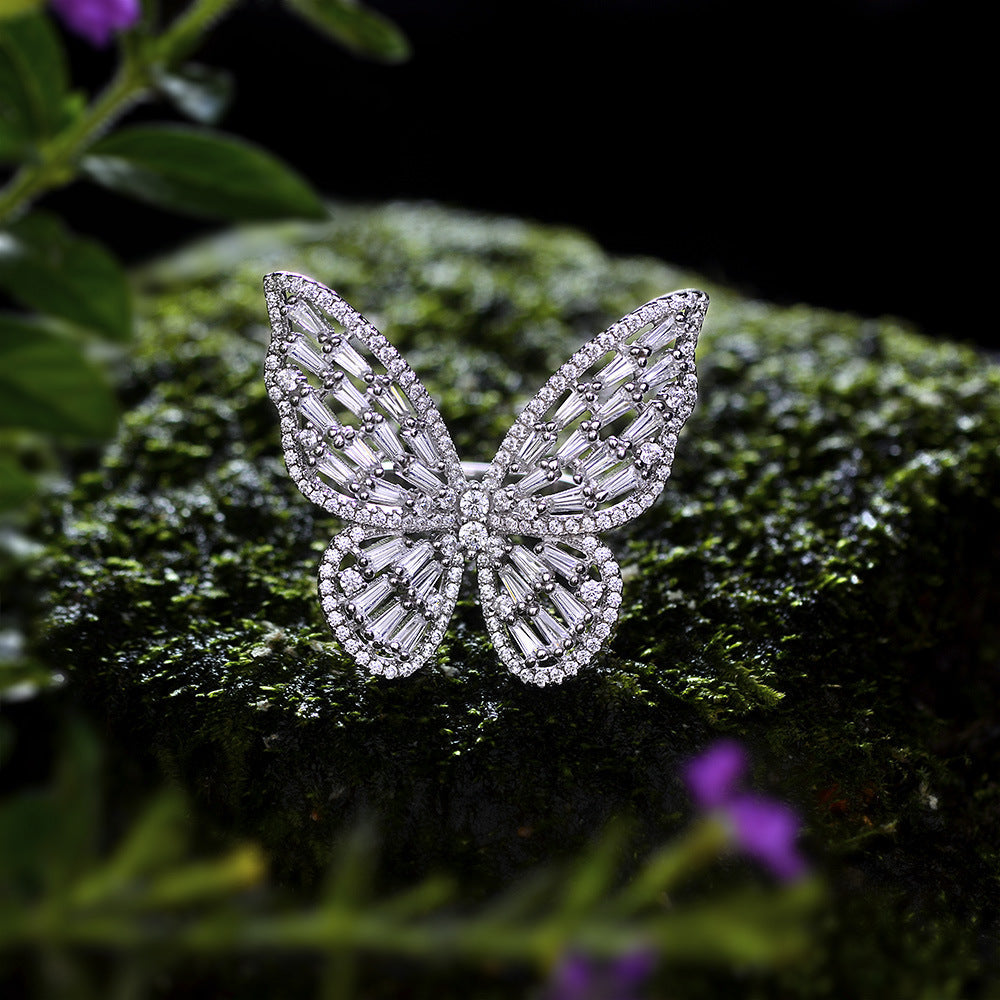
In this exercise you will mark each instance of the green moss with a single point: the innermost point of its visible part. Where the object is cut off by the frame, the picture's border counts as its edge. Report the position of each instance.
(817, 578)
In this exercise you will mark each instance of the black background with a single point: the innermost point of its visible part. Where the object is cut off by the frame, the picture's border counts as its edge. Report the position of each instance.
(819, 152)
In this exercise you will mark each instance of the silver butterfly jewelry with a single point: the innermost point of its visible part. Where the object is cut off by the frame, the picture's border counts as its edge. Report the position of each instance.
(363, 440)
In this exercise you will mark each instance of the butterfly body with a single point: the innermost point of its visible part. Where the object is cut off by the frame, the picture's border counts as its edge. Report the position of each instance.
(363, 439)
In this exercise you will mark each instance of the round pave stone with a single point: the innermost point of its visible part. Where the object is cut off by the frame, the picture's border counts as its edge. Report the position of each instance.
(309, 439)
(592, 591)
(650, 453)
(472, 536)
(474, 504)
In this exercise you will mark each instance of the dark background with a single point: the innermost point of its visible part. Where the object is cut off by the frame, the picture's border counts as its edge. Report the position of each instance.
(817, 152)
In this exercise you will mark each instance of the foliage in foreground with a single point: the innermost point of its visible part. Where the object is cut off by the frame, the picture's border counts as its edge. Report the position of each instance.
(53, 388)
(150, 893)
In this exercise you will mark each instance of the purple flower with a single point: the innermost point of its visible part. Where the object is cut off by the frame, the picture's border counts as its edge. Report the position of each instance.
(712, 776)
(580, 978)
(763, 828)
(766, 830)
(97, 20)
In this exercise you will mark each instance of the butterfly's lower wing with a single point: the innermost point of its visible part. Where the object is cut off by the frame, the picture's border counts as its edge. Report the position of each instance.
(594, 448)
(388, 596)
(549, 602)
(361, 435)
(590, 452)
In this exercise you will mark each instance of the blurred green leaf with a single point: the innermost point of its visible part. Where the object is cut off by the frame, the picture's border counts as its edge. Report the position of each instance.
(158, 840)
(150, 895)
(46, 267)
(200, 172)
(595, 874)
(244, 866)
(48, 837)
(754, 927)
(16, 487)
(77, 792)
(663, 869)
(200, 92)
(359, 28)
(28, 825)
(33, 84)
(48, 384)
(11, 9)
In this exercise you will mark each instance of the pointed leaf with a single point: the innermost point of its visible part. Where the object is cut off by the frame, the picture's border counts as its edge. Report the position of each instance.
(357, 27)
(48, 384)
(200, 92)
(244, 866)
(46, 267)
(200, 172)
(33, 84)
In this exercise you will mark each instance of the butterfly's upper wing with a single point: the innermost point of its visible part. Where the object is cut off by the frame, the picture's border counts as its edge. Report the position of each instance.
(590, 452)
(363, 439)
(593, 449)
(361, 435)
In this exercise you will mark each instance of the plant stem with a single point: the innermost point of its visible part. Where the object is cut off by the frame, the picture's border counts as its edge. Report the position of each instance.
(57, 165)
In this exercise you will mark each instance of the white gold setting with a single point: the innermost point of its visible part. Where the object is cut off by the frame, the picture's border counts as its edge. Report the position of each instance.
(363, 439)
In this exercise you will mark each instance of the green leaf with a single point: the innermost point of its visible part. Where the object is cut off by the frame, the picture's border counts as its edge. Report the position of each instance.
(28, 838)
(76, 788)
(357, 27)
(199, 92)
(200, 172)
(33, 84)
(17, 487)
(182, 885)
(12, 9)
(48, 384)
(157, 841)
(47, 268)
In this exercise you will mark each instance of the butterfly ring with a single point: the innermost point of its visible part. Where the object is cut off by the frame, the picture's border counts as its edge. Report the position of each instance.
(363, 439)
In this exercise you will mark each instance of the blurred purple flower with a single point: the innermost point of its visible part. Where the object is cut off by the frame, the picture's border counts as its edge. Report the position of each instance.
(97, 20)
(712, 776)
(581, 978)
(763, 828)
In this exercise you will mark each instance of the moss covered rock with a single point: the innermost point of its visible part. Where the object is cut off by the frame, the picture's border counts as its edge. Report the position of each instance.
(818, 578)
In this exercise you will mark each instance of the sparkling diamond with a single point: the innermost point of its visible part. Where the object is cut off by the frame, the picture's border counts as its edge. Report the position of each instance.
(472, 536)
(310, 439)
(474, 504)
(496, 548)
(445, 500)
(351, 582)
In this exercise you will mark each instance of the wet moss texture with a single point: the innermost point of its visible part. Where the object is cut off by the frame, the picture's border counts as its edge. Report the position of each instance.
(818, 579)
